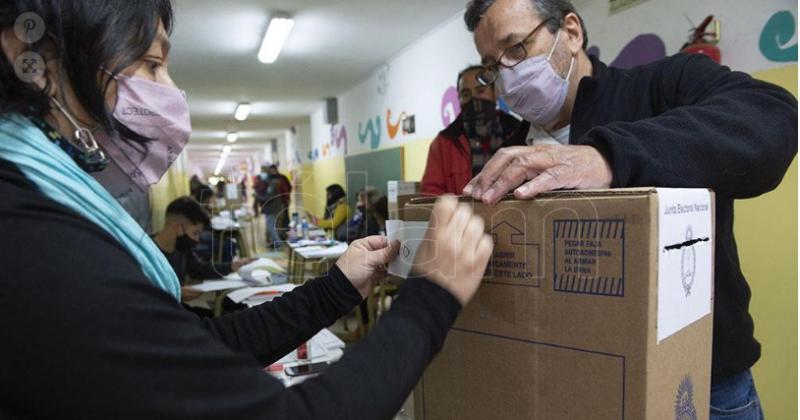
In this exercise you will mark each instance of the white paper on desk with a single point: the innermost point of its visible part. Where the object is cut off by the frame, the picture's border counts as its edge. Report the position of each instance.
(685, 251)
(239, 295)
(323, 252)
(214, 285)
(410, 235)
(328, 339)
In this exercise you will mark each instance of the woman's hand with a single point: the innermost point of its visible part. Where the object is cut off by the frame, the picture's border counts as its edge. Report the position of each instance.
(365, 261)
(455, 251)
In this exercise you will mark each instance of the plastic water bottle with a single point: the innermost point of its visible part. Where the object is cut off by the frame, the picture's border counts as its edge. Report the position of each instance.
(305, 228)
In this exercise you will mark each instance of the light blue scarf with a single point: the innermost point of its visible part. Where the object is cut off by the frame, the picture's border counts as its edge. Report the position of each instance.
(60, 179)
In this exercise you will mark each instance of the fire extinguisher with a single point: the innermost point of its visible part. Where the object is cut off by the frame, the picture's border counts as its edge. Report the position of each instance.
(702, 42)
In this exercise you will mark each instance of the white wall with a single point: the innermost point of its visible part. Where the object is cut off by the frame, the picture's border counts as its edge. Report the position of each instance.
(415, 80)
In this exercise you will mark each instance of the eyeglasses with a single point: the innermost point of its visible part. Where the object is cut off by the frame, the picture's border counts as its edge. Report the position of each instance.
(510, 58)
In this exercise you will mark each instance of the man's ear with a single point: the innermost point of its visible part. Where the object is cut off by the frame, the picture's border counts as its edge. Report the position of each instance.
(574, 29)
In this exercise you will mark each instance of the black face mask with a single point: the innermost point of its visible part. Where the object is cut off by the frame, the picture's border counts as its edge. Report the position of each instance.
(480, 119)
(184, 244)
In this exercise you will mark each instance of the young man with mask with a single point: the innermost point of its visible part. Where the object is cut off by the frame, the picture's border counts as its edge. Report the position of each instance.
(460, 150)
(184, 223)
(684, 121)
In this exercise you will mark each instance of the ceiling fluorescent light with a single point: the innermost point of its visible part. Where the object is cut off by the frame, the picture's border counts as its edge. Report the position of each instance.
(232, 137)
(221, 163)
(277, 33)
(242, 112)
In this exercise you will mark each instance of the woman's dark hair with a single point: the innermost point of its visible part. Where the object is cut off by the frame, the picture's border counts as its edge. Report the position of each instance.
(84, 36)
(336, 192)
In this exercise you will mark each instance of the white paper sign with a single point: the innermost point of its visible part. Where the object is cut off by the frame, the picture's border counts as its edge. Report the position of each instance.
(410, 235)
(685, 252)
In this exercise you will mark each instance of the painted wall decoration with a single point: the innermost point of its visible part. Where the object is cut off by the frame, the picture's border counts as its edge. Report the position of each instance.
(776, 35)
(313, 154)
(643, 49)
(394, 128)
(450, 106)
(339, 137)
(371, 132)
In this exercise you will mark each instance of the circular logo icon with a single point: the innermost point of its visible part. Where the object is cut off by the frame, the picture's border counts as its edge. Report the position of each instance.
(684, 401)
(29, 67)
(29, 27)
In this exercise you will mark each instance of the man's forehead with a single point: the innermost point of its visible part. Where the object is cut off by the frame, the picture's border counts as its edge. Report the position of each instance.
(504, 23)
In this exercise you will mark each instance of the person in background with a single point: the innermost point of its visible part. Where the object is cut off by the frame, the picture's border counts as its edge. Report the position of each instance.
(680, 122)
(336, 209)
(195, 184)
(381, 212)
(363, 223)
(271, 194)
(185, 220)
(459, 151)
(285, 188)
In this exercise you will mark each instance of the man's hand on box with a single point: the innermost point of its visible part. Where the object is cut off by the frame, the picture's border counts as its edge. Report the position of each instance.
(365, 261)
(544, 167)
(455, 250)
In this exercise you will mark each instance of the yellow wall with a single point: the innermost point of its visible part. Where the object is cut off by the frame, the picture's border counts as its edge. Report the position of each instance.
(415, 157)
(314, 177)
(766, 233)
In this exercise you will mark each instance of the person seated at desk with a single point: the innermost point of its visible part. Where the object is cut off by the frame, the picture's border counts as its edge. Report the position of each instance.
(92, 324)
(364, 222)
(185, 221)
(336, 209)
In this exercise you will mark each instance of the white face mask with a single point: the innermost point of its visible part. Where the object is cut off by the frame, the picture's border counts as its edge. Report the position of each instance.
(534, 90)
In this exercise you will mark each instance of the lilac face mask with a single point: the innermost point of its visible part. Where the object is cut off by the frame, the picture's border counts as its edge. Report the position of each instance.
(155, 111)
(533, 89)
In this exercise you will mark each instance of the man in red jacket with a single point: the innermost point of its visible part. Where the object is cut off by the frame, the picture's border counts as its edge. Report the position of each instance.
(460, 150)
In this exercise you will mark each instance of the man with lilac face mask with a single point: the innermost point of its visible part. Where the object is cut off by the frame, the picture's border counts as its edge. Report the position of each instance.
(684, 121)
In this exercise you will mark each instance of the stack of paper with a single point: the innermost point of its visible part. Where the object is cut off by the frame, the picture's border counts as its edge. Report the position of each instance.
(216, 285)
(260, 271)
(322, 252)
(254, 296)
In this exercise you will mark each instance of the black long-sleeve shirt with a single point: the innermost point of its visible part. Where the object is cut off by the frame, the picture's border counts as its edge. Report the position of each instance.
(688, 122)
(188, 263)
(86, 335)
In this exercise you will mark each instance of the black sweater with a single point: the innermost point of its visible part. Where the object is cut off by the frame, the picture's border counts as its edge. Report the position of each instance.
(688, 122)
(86, 335)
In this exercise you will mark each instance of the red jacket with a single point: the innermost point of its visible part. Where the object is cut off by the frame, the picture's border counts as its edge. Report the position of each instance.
(449, 166)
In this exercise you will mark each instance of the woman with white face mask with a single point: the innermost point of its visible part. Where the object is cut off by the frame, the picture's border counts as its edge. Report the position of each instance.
(92, 326)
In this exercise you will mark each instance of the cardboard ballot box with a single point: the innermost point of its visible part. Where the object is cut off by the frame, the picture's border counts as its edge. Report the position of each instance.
(595, 305)
(398, 194)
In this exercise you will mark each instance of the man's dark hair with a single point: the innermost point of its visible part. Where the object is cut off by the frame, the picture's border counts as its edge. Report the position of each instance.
(465, 71)
(189, 208)
(85, 36)
(553, 11)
